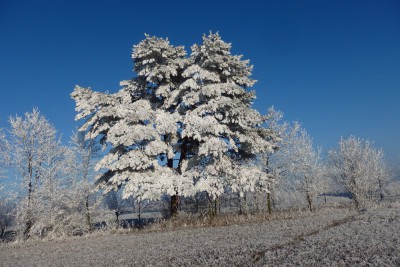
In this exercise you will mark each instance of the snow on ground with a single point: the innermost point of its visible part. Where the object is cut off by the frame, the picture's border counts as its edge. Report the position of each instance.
(369, 239)
(329, 237)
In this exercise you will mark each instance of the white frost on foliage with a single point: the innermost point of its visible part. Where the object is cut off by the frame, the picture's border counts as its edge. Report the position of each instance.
(153, 184)
(166, 123)
(202, 128)
(213, 185)
(127, 135)
(134, 159)
(214, 147)
(193, 110)
(249, 178)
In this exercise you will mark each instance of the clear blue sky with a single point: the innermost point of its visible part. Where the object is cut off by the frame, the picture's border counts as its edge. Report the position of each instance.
(332, 65)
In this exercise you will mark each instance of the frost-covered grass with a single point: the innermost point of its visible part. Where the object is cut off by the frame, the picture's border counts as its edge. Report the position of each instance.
(368, 239)
(326, 237)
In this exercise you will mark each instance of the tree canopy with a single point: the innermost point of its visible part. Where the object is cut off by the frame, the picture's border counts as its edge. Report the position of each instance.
(183, 124)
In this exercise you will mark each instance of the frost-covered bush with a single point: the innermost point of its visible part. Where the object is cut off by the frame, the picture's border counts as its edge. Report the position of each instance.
(55, 194)
(360, 168)
(392, 190)
(61, 213)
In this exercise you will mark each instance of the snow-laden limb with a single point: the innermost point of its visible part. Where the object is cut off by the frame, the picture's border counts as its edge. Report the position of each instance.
(200, 128)
(126, 126)
(248, 177)
(166, 123)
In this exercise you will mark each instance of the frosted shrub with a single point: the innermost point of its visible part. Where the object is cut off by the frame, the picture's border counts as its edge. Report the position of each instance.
(360, 168)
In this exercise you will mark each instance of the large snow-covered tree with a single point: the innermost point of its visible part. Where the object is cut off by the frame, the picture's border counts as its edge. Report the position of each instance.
(180, 126)
(358, 166)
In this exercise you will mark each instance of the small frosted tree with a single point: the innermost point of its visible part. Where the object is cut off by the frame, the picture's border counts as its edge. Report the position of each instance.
(3, 159)
(304, 165)
(4, 195)
(86, 204)
(358, 166)
(275, 163)
(48, 196)
(3, 153)
(266, 160)
(295, 165)
(36, 154)
(381, 172)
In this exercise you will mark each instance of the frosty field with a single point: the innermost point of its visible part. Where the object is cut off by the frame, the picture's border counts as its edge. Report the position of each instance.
(332, 237)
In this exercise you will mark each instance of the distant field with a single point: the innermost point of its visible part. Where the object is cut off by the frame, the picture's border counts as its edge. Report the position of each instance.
(334, 237)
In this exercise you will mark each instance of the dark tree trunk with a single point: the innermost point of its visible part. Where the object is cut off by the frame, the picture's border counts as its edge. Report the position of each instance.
(354, 193)
(268, 194)
(245, 207)
(2, 230)
(117, 218)
(28, 226)
(356, 201)
(88, 219)
(174, 205)
(175, 198)
(380, 190)
(269, 203)
(309, 200)
(140, 214)
(216, 206)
